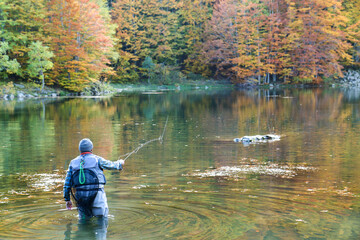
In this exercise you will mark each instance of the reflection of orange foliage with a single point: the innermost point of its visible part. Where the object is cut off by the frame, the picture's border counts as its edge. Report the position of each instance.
(317, 109)
(91, 118)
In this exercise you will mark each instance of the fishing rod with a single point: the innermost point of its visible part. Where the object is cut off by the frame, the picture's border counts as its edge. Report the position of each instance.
(160, 139)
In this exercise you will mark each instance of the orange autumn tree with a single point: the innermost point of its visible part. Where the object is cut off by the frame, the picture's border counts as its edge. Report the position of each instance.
(221, 39)
(150, 29)
(319, 43)
(277, 41)
(251, 25)
(126, 15)
(264, 42)
(292, 39)
(194, 15)
(81, 41)
(352, 28)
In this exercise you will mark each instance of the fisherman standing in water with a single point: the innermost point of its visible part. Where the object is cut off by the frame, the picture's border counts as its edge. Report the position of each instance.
(85, 175)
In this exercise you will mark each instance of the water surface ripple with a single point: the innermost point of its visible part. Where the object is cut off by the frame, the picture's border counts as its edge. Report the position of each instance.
(198, 183)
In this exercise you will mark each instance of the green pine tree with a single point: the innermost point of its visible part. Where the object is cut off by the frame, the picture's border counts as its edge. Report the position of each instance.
(39, 61)
(149, 66)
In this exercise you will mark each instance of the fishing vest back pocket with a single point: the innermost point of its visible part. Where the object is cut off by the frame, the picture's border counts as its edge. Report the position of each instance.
(85, 186)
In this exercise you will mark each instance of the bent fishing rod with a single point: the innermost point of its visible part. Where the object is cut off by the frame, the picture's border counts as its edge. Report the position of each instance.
(160, 139)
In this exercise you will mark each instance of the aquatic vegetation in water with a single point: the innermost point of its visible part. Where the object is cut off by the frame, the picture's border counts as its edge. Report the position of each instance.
(29, 185)
(345, 192)
(140, 186)
(4, 200)
(269, 169)
(43, 181)
(46, 181)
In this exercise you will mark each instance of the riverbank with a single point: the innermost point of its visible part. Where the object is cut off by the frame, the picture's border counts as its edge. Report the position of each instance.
(21, 91)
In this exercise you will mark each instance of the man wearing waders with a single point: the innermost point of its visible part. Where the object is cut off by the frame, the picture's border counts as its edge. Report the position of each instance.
(85, 175)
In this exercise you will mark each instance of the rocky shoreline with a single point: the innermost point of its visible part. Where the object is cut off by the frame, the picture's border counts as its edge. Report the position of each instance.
(351, 79)
(21, 91)
(16, 91)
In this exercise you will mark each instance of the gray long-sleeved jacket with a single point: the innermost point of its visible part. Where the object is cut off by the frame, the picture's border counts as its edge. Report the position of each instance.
(101, 164)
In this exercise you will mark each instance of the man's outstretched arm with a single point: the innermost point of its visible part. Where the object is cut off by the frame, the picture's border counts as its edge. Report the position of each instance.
(110, 165)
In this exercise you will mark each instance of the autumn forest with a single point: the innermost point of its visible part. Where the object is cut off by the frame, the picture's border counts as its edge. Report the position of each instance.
(71, 43)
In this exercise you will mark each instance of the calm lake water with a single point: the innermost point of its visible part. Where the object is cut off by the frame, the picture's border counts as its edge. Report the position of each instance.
(197, 184)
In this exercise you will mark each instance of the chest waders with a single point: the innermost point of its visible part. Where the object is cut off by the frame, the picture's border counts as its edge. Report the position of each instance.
(85, 183)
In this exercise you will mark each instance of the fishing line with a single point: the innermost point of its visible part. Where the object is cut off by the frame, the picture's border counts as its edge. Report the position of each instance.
(82, 175)
(160, 139)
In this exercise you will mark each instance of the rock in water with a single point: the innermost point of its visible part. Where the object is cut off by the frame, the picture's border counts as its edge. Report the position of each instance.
(258, 138)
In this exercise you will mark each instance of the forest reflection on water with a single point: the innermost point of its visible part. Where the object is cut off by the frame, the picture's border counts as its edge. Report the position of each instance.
(198, 183)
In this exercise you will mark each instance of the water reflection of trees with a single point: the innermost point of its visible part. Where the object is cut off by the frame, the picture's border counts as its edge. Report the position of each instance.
(117, 125)
(319, 127)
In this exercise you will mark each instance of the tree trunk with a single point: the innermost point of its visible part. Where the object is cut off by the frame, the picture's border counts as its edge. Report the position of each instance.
(42, 80)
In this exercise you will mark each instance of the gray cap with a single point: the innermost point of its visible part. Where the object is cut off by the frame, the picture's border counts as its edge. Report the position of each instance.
(85, 145)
